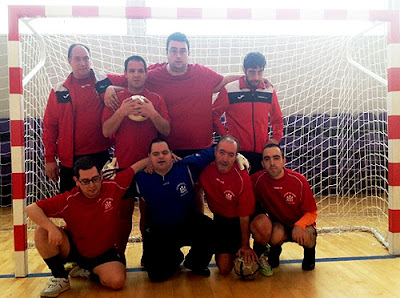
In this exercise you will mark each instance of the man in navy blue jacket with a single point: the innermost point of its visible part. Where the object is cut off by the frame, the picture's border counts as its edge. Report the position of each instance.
(170, 215)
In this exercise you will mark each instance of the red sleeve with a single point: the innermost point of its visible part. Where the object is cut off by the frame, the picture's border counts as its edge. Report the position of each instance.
(161, 108)
(118, 80)
(55, 206)
(124, 178)
(247, 200)
(276, 118)
(107, 113)
(218, 108)
(308, 203)
(50, 128)
(212, 77)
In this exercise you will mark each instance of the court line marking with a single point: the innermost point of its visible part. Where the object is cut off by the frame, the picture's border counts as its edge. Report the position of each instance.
(212, 265)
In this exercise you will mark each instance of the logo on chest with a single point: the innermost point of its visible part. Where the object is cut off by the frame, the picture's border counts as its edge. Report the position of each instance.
(289, 198)
(228, 195)
(108, 204)
(182, 189)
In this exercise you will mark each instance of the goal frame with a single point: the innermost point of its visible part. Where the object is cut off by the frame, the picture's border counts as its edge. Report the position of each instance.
(16, 105)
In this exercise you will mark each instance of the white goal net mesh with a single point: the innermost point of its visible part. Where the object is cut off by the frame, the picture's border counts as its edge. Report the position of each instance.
(335, 114)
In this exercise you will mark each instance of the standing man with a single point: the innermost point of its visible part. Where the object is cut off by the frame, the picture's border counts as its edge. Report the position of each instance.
(288, 209)
(170, 215)
(187, 89)
(230, 197)
(132, 137)
(249, 105)
(90, 211)
(72, 120)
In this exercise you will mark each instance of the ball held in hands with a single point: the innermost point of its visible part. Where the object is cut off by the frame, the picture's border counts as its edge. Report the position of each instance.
(138, 118)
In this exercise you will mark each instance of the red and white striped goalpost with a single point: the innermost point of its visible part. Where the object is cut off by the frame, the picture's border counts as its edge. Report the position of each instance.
(16, 102)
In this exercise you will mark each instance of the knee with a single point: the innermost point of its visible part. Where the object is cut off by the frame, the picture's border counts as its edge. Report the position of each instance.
(311, 239)
(115, 281)
(41, 236)
(261, 227)
(225, 267)
(278, 235)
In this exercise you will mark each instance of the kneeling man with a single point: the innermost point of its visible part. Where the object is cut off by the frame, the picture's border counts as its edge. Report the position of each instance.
(288, 209)
(90, 211)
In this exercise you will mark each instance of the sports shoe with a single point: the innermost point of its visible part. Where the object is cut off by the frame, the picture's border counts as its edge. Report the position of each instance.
(55, 286)
(198, 271)
(309, 259)
(273, 255)
(79, 272)
(265, 268)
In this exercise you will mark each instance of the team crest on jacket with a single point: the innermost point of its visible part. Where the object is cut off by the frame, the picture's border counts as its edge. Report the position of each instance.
(182, 188)
(108, 204)
(228, 195)
(289, 197)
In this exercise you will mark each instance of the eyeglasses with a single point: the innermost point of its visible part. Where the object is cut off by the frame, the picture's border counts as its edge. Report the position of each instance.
(95, 179)
(176, 51)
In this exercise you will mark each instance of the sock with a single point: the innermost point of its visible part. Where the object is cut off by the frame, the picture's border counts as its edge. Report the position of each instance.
(56, 265)
(259, 249)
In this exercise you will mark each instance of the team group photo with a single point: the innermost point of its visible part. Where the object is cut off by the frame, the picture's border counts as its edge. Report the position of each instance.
(147, 159)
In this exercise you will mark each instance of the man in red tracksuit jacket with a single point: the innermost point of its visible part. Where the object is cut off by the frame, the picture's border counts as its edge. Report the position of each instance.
(72, 120)
(249, 106)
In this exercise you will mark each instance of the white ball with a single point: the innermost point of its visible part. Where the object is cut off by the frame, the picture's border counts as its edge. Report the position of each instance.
(140, 117)
(245, 270)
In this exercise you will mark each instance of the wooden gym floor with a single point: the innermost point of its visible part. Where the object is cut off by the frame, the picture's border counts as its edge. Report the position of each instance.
(348, 265)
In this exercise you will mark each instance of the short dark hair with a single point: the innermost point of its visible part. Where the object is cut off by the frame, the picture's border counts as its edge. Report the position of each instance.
(230, 139)
(177, 36)
(254, 60)
(157, 140)
(272, 145)
(71, 47)
(135, 58)
(85, 163)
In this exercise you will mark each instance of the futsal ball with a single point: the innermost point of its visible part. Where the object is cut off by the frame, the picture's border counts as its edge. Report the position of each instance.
(137, 117)
(245, 270)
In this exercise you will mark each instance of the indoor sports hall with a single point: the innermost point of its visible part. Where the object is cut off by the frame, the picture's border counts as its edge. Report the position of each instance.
(336, 69)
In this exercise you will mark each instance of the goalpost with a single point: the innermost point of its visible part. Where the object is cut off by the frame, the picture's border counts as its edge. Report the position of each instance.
(340, 96)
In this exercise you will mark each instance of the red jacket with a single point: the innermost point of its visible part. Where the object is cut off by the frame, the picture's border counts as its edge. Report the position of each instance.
(247, 113)
(59, 121)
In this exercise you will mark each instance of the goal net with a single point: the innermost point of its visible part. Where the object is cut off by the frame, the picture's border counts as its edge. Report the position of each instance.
(331, 89)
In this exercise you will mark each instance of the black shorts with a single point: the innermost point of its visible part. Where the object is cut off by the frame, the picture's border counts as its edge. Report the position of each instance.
(90, 263)
(228, 236)
(288, 230)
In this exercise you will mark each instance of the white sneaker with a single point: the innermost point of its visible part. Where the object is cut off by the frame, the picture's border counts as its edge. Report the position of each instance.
(79, 272)
(265, 268)
(55, 286)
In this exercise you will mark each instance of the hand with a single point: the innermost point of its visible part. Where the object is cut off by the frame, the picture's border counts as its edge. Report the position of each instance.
(242, 162)
(149, 168)
(267, 83)
(128, 107)
(175, 157)
(111, 98)
(109, 169)
(55, 236)
(248, 254)
(52, 171)
(145, 108)
(273, 141)
(299, 235)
